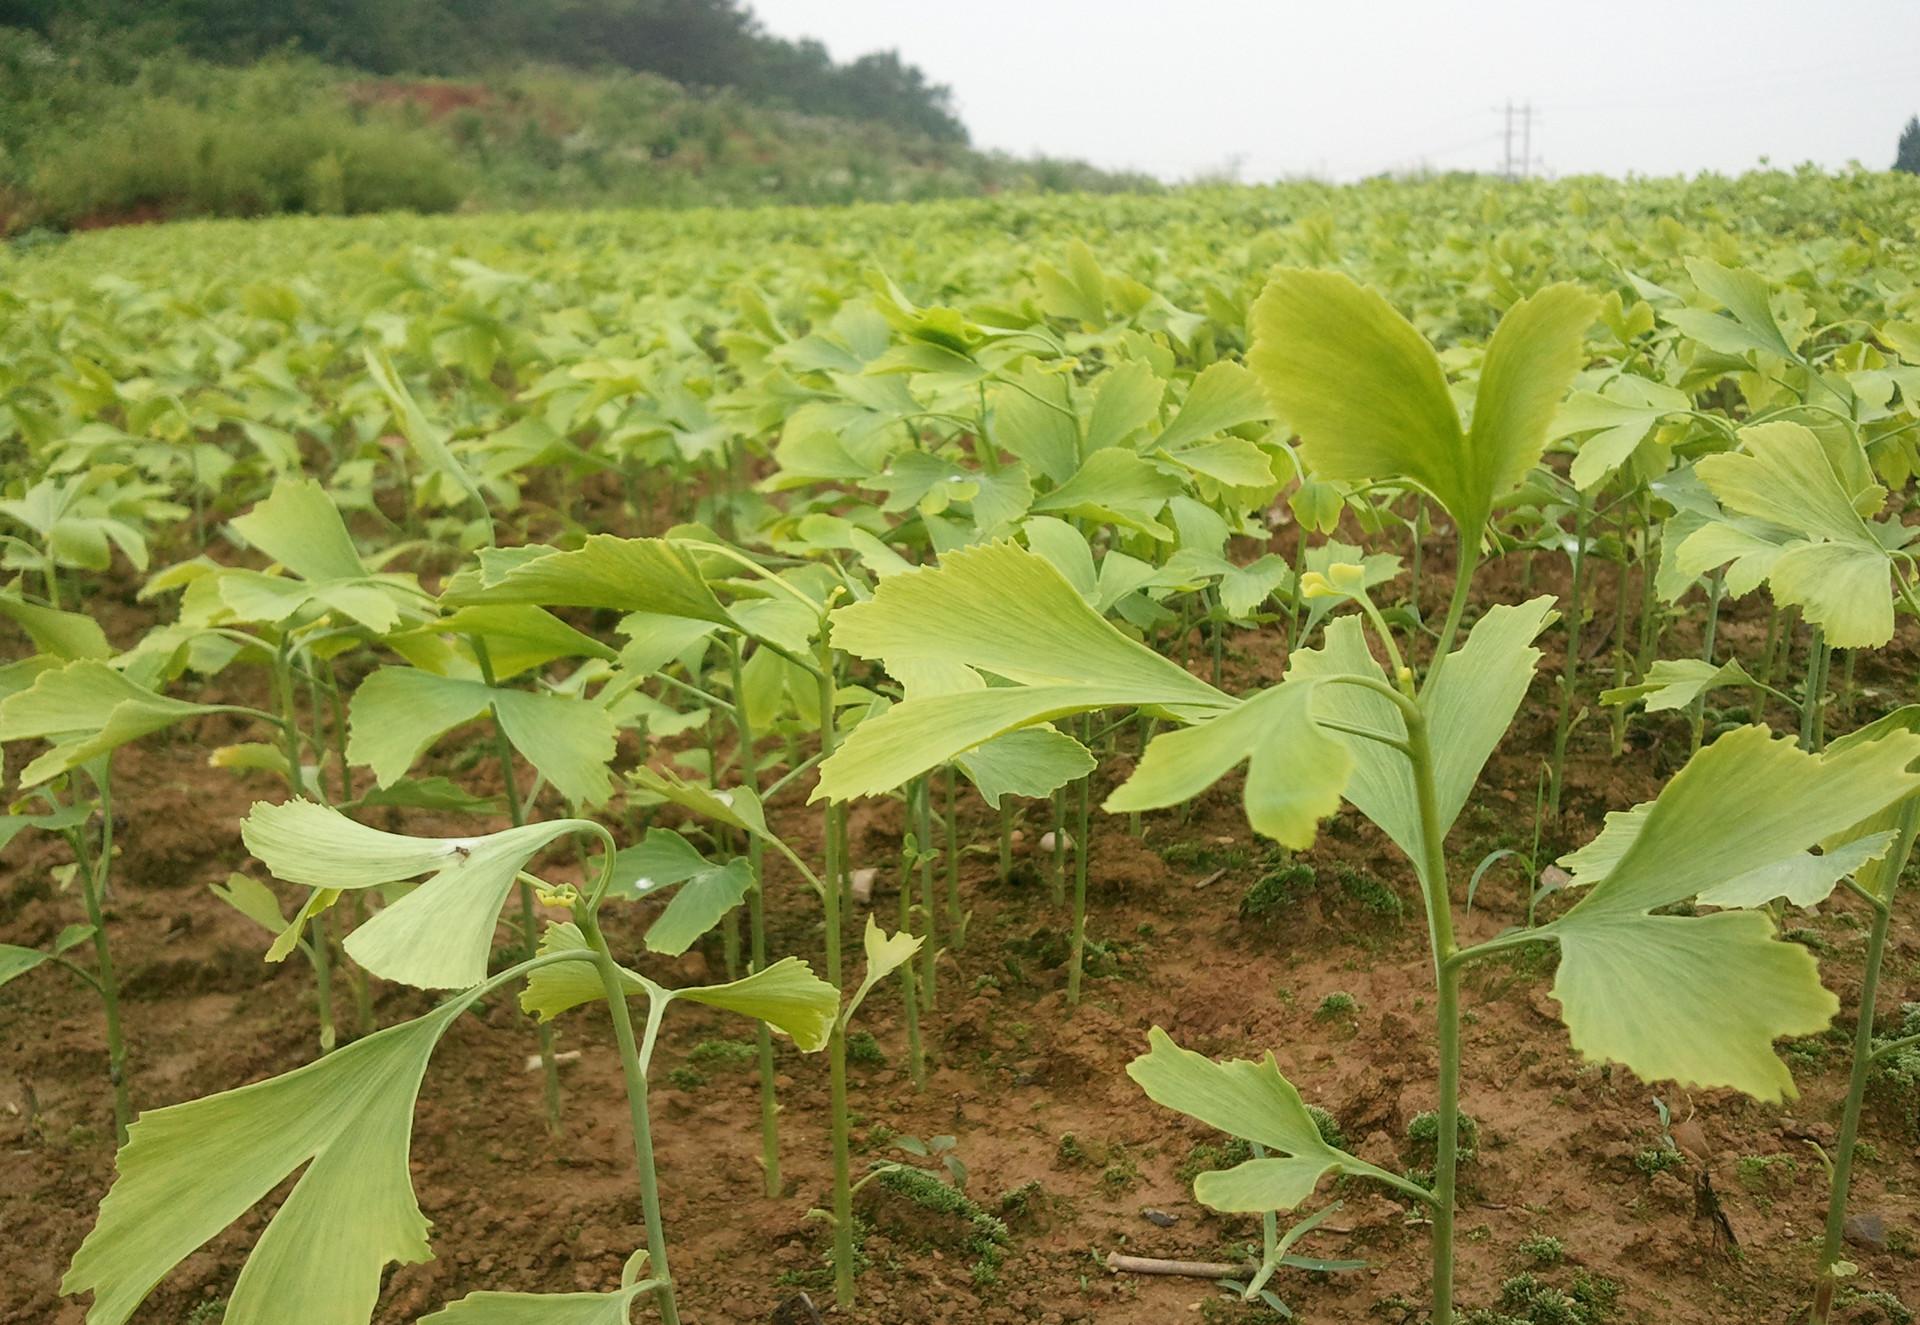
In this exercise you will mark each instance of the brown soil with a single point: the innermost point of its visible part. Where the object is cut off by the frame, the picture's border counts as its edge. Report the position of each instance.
(1729, 1235)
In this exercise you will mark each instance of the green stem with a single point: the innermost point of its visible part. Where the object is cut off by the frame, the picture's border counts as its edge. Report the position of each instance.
(929, 914)
(1697, 711)
(1439, 900)
(749, 761)
(842, 1169)
(837, 1042)
(1078, 955)
(1842, 1175)
(632, 1067)
(93, 875)
(909, 993)
(1570, 665)
(1469, 559)
(1812, 707)
(529, 917)
(1057, 880)
(956, 922)
(1006, 839)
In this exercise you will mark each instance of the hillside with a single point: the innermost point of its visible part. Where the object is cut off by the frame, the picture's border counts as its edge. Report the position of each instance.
(97, 132)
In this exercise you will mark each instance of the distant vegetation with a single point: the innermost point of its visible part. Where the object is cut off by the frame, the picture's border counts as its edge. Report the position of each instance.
(697, 43)
(193, 112)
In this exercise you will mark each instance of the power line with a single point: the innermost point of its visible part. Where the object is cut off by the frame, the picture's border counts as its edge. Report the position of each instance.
(1525, 160)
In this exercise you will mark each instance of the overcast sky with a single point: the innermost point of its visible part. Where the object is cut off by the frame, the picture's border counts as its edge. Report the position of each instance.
(1349, 88)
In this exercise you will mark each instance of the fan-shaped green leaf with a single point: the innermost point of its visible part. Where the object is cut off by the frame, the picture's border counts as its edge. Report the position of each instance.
(439, 935)
(1031, 762)
(1674, 683)
(1296, 769)
(1252, 1101)
(1365, 392)
(190, 1170)
(625, 574)
(1700, 999)
(86, 709)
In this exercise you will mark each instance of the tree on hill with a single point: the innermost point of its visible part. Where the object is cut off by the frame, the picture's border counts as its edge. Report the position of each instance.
(1908, 157)
(699, 43)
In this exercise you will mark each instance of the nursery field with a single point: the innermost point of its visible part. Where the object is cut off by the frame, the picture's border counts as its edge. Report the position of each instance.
(1328, 753)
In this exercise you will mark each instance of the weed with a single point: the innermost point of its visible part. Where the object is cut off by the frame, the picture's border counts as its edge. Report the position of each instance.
(864, 1049)
(1658, 1159)
(1543, 1249)
(1278, 891)
(1335, 1006)
(722, 1053)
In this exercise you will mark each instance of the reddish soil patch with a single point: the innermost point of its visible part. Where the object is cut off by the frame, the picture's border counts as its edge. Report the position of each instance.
(1728, 1235)
(436, 100)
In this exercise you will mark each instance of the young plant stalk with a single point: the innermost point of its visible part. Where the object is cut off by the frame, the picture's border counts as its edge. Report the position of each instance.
(1697, 711)
(1813, 734)
(1077, 958)
(909, 994)
(633, 1068)
(929, 950)
(1841, 1175)
(1432, 871)
(1570, 669)
(93, 874)
(956, 921)
(749, 762)
(829, 886)
(529, 920)
(322, 942)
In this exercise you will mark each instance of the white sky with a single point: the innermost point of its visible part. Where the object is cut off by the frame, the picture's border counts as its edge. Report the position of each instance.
(1346, 88)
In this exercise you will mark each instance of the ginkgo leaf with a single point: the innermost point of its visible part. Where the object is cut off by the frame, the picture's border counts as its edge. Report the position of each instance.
(699, 902)
(660, 859)
(1366, 394)
(1223, 396)
(252, 899)
(1254, 1102)
(1837, 570)
(518, 637)
(1674, 683)
(1004, 610)
(736, 807)
(440, 934)
(86, 709)
(189, 1170)
(1126, 399)
(1614, 421)
(571, 741)
(298, 526)
(787, 995)
(1804, 879)
(625, 574)
(428, 439)
(17, 961)
(1118, 486)
(1468, 708)
(64, 635)
(1876, 876)
(54, 821)
(886, 953)
(1745, 295)
(1031, 762)
(492, 1308)
(1296, 769)
(1701, 999)
(999, 609)
(1531, 360)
